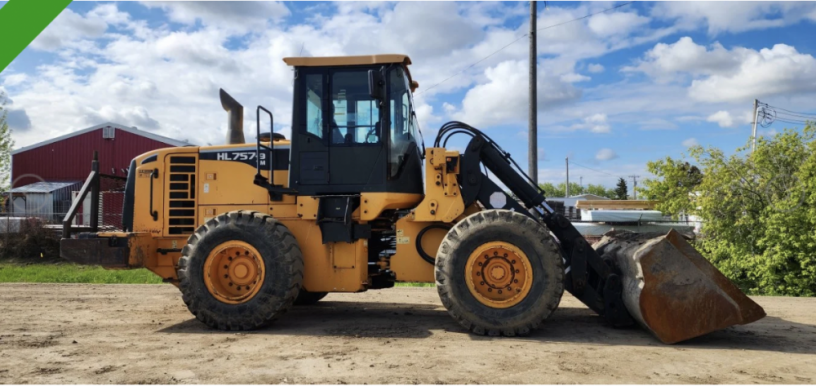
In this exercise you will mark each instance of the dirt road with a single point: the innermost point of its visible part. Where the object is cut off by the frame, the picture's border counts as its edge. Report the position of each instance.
(144, 334)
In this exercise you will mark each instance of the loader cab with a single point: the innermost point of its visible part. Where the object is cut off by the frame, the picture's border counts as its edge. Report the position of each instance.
(350, 136)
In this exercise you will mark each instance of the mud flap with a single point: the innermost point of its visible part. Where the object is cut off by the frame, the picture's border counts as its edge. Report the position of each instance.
(672, 290)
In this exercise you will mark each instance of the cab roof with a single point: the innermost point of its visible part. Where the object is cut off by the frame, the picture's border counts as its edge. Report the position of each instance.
(347, 60)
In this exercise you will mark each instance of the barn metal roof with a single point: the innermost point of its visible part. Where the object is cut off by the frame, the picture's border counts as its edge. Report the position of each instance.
(132, 130)
(43, 187)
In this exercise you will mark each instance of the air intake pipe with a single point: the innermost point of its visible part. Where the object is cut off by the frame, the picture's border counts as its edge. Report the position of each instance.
(235, 131)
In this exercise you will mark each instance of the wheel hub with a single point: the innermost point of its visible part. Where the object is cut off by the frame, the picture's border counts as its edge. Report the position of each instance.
(234, 272)
(499, 274)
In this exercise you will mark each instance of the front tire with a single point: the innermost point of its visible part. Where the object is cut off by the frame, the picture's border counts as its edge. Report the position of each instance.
(499, 272)
(240, 271)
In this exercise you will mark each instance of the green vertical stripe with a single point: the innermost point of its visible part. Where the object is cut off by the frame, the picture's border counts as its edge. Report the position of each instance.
(21, 21)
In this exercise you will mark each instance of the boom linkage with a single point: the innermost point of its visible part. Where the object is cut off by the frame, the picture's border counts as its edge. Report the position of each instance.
(595, 281)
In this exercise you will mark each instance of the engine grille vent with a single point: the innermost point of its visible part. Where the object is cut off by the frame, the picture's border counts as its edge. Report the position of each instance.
(181, 190)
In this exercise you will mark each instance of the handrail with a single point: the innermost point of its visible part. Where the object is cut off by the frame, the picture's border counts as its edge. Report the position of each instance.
(153, 175)
(275, 191)
(259, 146)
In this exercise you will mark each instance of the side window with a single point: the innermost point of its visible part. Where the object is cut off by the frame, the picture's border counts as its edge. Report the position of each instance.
(402, 128)
(314, 108)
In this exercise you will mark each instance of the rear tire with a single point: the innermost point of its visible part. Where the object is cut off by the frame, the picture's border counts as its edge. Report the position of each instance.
(277, 270)
(306, 298)
(483, 255)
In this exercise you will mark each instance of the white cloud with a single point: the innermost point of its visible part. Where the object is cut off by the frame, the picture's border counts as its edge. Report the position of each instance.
(738, 74)
(574, 78)
(14, 79)
(499, 101)
(598, 123)
(724, 16)
(135, 116)
(595, 68)
(722, 118)
(775, 71)
(665, 61)
(605, 154)
(595, 123)
(449, 108)
(67, 28)
(691, 142)
(620, 23)
(234, 15)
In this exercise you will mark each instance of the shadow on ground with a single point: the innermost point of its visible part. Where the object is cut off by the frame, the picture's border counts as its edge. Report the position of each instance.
(567, 325)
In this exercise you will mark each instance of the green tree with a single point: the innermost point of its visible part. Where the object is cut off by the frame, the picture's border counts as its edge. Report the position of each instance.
(550, 190)
(599, 190)
(560, 190)
(621, 190)
(758, 209)
(6, 143)
(676, 188)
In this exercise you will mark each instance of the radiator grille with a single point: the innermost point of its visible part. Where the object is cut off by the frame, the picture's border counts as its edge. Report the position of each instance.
(181, 192)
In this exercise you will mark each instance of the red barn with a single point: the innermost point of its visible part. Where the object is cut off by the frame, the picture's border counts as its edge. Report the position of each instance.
(67, 159)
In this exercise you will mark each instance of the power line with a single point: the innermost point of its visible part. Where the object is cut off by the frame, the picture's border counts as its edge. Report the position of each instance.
(599, 171)
(793, 118)
(769, 114)
(793, 112)
(798, 116)
(519, 38)
(791, 122)
(775, 113)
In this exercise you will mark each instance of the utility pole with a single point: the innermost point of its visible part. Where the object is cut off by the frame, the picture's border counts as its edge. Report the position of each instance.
(634, 186)
(581, 179)
(533, 109)
(754, 128)
(567, 191)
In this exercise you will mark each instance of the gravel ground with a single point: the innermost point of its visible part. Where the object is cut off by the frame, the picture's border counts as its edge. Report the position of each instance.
(77, 333)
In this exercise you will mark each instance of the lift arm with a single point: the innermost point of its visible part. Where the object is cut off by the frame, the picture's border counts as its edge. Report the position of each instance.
(591, 279)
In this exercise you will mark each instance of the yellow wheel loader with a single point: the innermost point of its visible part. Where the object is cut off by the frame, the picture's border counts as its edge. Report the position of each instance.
(354, 202)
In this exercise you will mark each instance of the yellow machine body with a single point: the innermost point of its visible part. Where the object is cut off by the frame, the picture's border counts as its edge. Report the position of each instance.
(212, 187)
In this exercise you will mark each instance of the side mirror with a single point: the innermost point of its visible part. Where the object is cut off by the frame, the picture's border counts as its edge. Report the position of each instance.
(376, 85)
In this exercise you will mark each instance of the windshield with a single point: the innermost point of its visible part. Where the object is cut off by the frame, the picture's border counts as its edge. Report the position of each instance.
(403, 124)
(354, 114)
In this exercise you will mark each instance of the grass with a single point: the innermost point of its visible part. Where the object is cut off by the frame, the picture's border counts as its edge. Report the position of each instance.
(414, 285)
(73, 273)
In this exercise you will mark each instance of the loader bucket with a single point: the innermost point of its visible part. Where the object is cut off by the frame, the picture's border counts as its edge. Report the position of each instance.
(672, 290)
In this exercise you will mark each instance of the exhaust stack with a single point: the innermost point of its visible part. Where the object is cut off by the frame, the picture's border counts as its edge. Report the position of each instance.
(235, 112)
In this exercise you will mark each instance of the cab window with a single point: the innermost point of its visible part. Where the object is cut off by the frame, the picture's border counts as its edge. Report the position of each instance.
(403, 127)
(314, 108)
(354, 116)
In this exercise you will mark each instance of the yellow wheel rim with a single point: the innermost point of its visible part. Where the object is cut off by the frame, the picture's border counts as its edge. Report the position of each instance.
(499, 274)
(234, 272)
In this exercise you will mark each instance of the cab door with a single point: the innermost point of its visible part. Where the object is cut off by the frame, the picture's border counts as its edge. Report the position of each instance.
(356, 150)
(313, 155)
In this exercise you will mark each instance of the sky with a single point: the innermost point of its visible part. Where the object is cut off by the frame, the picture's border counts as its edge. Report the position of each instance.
(617, 89)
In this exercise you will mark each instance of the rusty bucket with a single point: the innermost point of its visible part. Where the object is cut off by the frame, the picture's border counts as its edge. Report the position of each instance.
(672, 290)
